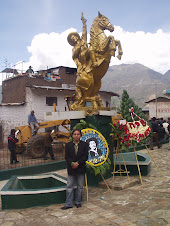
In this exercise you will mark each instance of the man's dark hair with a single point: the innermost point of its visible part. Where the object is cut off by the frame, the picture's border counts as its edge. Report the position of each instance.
(92, 139)
(12, 131)
(77, 130)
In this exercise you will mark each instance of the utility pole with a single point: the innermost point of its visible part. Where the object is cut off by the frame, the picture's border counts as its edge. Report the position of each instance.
(156, 99)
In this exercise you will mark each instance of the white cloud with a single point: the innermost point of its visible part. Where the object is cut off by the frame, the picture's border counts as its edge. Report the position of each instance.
(149, 49)
(51, 50)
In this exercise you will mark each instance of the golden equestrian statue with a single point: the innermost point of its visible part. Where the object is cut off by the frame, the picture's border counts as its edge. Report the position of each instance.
(92, 61)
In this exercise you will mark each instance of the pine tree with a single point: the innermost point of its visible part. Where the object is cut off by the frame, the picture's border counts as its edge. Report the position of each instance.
(126, 104)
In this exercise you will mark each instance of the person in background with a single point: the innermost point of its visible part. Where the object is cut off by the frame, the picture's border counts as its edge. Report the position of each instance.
(47, 145)
(12, 140)
(161, 131)
(32, 121)
(154, 135)
(30, 71)
(76, 155)
(165, 125)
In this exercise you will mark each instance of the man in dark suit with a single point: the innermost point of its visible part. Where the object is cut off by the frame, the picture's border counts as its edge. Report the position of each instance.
(154, 135)
(76, 155)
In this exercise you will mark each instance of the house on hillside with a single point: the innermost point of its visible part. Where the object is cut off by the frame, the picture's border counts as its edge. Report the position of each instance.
(159, 107)
(23, 93)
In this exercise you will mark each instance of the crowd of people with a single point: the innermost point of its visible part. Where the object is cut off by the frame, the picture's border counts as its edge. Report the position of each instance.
(160, 131)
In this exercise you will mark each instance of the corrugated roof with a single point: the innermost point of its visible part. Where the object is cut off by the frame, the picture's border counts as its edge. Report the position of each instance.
(50, 87)
(12, 104)
(158, 99)
(71, 89)
(10, 70)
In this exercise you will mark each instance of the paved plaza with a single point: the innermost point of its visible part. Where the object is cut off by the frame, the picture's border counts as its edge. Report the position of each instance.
(136, 204)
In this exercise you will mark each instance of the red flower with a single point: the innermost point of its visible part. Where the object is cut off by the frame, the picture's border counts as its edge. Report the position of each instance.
(120, 127)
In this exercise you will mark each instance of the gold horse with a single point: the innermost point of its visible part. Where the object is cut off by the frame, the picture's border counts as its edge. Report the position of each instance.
(92, 61)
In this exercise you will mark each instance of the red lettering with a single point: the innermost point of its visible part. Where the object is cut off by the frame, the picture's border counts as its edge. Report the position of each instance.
(131, 125)
(143, 122)
(137, 123)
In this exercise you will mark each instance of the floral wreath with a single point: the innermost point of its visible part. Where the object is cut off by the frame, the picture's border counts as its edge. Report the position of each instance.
(138, 130)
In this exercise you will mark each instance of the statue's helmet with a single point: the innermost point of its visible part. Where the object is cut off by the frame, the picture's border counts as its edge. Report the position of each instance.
(70, 40)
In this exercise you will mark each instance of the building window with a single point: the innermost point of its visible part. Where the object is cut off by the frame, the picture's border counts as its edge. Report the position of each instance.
(51, 100)
(107, 104)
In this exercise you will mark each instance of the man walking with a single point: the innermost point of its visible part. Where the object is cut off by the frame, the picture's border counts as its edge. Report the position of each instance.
(47, 145)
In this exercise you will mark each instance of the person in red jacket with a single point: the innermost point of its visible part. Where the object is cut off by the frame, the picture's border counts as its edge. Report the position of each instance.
(76, 155)
(12, 140)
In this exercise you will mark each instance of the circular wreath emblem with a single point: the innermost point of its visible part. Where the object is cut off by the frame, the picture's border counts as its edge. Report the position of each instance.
(98, 147)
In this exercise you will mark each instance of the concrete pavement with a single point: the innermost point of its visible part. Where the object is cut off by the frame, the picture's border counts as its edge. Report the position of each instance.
(146, 204)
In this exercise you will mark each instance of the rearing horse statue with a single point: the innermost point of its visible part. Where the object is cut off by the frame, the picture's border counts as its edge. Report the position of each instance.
(92, 61)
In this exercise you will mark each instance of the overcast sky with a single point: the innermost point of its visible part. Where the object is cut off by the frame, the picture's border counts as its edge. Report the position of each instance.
(35, 31)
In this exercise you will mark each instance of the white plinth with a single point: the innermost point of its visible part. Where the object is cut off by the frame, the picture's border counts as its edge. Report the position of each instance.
(108, 113)
(50, 116)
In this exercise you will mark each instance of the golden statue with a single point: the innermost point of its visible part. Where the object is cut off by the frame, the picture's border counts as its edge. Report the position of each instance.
(92, 61)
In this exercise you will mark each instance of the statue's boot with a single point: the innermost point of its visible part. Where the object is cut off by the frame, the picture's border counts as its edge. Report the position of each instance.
(93, 58)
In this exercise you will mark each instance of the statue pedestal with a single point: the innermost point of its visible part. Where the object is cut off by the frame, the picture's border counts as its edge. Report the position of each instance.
(102, 124)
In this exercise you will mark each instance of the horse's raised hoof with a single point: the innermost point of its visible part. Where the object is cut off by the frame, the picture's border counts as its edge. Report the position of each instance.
(112, 53)
(119, 57)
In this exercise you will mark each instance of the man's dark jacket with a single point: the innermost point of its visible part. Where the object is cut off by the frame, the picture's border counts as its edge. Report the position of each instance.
(12, 140)
(154, 126)
(81, 157)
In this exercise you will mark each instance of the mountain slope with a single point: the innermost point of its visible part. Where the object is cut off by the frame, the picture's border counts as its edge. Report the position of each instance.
(140, 82)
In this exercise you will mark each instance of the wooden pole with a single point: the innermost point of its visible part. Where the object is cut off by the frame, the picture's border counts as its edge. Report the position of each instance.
(125, 166)
(138, 165)
(153, 160)
(117, 148)
(86, 187)
(105, 182)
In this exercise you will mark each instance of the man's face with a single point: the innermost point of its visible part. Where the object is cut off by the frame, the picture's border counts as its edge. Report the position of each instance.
(92, 144)
(76, 136)
(74, 38)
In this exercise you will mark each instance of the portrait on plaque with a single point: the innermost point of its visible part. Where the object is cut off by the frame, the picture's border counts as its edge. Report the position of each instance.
(98, 147)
